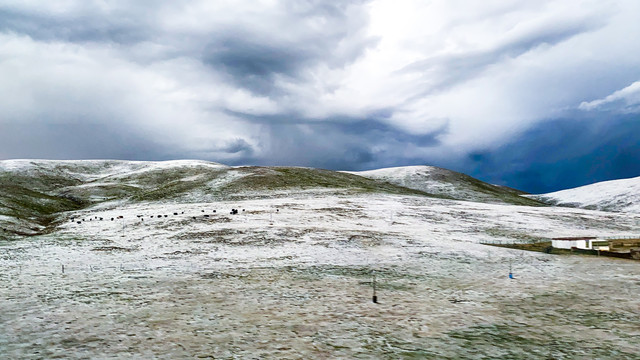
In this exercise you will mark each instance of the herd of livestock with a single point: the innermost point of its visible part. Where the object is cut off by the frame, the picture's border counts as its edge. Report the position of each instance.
(141, 217)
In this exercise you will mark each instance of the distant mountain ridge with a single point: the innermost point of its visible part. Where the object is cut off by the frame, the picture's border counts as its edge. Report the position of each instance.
(621, 195)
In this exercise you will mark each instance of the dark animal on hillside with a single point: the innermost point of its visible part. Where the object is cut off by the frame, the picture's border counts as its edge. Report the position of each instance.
(183, 213)
(101, 219)
(120, 217)
(206, 216)
(111, 219)
(214, 211)
(79, 222)
(175, 213)
(234, 211)
(202, 210)
(166, 215)
(193, 217)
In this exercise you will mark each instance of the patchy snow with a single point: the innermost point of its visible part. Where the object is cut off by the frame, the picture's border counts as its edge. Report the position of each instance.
(290, 276)
(439, 181)
(614, 195)
(89, 170)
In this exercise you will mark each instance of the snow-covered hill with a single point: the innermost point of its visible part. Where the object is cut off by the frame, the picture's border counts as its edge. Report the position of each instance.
(446, 183)
(34, 192)
(614, 195)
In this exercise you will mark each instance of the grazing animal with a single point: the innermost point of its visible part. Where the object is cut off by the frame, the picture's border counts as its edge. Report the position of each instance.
(214, 211)
(101, 219)
(166, 215)
(120, 217)
(79, 222)
(175, 213)
(82, 219)
(202, 210)
(183, 212)
(151, 215)
(206, 216)
(234, 211)
(193, 217)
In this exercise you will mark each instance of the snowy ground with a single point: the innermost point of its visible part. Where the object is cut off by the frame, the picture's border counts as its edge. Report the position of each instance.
(290, 277)
(614, 195)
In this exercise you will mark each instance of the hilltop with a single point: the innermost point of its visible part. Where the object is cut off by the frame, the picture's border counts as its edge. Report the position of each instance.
(448, 183)
(615, 195)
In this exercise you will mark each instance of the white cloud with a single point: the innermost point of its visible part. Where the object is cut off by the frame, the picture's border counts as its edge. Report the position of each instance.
(625, 100)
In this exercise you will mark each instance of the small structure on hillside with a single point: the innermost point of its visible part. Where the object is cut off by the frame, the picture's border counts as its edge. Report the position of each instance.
(572, 242)
(624, 247)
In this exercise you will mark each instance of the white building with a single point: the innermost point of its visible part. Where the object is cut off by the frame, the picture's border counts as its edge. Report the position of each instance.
(573, 242)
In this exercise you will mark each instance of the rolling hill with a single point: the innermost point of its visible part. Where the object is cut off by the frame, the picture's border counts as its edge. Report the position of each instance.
(616, 195)
(448, 183)
(34, 192)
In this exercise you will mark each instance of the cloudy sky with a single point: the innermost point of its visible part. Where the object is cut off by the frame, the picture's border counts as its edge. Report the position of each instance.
(537, 95)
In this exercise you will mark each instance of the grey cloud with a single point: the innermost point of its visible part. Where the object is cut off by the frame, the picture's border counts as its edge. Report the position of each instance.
(236, 146)
(336, 143)
(249, 56)
(253, 65)
(252, 59)
(75, 141)
(122, 27)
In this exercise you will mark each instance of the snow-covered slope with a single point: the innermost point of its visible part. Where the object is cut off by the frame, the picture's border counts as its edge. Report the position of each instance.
(158, 267)
(614, 195)
(446, 183)
(34, 192)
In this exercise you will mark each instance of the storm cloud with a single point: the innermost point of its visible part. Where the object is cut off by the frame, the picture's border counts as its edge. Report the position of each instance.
(347, 85)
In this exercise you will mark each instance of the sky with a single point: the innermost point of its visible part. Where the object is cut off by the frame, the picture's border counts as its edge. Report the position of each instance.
(537, 95)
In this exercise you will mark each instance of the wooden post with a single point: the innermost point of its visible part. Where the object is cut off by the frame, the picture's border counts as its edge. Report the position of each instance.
(375, 296)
